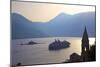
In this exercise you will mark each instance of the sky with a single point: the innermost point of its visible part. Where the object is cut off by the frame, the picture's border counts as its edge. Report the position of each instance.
(43, 12)
(90, 2)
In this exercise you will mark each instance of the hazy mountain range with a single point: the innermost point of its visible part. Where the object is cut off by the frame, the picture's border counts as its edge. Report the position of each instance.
(62, 25)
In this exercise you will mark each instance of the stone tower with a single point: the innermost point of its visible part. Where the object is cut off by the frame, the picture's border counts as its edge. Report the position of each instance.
(85, 45)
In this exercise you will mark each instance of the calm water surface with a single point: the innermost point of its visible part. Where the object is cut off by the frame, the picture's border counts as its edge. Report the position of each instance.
(39, 53)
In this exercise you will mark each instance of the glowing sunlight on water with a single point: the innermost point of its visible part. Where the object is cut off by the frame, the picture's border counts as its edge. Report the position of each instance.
(91, 41)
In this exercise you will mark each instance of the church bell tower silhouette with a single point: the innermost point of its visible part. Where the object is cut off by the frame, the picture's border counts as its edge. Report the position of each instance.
(85, 45)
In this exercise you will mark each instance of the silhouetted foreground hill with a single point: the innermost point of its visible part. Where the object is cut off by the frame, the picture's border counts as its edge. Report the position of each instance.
(61, 25)
(90, 56)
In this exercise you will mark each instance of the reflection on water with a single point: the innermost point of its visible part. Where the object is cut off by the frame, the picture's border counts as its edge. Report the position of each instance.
(91, 41)
(39, 53)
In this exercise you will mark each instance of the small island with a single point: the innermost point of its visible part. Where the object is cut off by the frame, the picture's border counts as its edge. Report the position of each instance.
(29, 43)
(57, 45)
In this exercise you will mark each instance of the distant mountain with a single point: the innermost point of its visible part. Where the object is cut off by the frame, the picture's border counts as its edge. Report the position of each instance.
(23, 28)
(61, 25)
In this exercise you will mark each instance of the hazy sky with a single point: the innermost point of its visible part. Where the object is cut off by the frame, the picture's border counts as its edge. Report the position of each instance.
(92, 2)
(42, 12)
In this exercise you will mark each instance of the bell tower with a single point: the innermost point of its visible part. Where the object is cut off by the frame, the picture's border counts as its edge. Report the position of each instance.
(85, 45)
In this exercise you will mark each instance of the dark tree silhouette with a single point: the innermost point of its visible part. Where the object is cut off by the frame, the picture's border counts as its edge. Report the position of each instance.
(92, 53)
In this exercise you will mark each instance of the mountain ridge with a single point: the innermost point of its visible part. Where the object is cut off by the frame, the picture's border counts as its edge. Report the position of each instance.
(61, 25)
